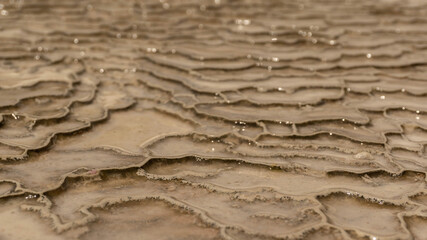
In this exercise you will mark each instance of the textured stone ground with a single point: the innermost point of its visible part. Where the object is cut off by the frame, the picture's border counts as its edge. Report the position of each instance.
(213, 119)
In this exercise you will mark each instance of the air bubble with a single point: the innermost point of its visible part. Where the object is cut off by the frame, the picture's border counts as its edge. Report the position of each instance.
(243, 22)
(152, 50)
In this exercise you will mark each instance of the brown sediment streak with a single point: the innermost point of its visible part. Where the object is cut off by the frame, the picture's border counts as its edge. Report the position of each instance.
(213, 119)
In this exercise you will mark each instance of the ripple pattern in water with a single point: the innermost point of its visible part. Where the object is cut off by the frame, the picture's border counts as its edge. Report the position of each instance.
(218, 119)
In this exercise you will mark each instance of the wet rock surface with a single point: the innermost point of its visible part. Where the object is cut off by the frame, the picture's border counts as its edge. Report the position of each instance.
(213, 119)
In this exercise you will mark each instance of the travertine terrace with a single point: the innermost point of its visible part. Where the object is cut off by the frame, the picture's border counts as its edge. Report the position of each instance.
(215, 119)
